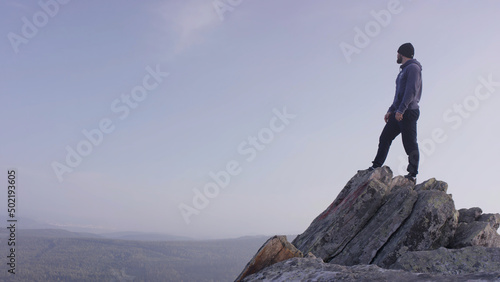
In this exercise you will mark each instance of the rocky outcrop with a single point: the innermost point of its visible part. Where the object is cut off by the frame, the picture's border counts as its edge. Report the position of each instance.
(274, 250)
(383, 222)
(377, 217)
(308, 269)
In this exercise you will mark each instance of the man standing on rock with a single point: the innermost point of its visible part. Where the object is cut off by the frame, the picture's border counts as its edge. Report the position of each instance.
(403, 114)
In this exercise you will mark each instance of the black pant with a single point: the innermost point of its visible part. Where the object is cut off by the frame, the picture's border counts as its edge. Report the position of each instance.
(408, 129)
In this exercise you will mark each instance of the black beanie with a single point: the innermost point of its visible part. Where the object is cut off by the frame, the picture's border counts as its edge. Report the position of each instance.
(407, 50)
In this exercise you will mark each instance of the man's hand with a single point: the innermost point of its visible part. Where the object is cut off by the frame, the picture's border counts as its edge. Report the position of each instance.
(386, 117)
(399, 116)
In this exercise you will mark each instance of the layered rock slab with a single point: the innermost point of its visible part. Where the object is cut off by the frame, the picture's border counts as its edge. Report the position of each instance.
(349, 213)
(363, 248)
(467, 260)
(431, 225)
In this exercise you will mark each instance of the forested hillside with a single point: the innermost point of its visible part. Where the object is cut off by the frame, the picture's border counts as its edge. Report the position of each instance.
(66, 256)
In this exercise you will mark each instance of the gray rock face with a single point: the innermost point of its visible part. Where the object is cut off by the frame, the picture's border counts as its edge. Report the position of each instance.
(364, 247)
(431, 225)
(307, 269)
(451, 261)
(353, 208)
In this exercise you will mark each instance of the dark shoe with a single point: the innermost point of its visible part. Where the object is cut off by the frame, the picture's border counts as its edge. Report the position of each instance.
(411, 177)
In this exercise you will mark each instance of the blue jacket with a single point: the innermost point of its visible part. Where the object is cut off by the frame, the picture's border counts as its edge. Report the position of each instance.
(408, 87)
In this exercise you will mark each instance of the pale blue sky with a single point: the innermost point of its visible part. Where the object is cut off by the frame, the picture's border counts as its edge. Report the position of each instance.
(227, 77)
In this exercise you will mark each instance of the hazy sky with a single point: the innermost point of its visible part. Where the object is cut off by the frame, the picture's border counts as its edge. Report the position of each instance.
(227, 118)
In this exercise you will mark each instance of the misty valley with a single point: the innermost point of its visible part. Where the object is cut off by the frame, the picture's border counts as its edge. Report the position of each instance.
(60, 255)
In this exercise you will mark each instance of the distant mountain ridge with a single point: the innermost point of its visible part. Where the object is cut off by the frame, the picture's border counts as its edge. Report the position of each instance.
(62, 233)
(144, 236)
(27, 226)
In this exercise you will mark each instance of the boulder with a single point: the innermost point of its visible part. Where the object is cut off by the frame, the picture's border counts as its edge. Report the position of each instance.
(432, 184)
(476, 229)
(275, 249)
(469, 215)
(492, 218)
(451, 261)
(349, 213)
(476, 233)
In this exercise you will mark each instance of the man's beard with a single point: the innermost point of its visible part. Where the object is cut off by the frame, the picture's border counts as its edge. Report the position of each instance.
(399, 60)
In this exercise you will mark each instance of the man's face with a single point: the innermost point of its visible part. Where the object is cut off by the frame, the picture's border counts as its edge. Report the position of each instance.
(400, 59)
